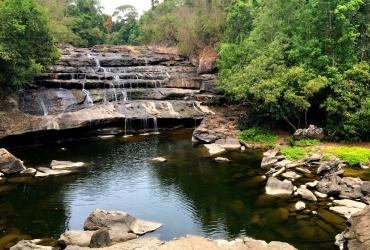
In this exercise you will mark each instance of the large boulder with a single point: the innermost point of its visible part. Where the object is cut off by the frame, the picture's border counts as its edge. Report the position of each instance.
(100, 239)
(207, 61)
(9, 164)
(214, 128)
(329, 185)
(312, 132)
(357, 235)
(276, 187)
(118, 221)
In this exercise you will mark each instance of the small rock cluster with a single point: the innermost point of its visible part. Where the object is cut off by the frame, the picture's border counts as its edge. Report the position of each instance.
(116, 230)
(9, 164)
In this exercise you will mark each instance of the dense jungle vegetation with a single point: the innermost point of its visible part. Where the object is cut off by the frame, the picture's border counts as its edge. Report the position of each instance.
(291, 62)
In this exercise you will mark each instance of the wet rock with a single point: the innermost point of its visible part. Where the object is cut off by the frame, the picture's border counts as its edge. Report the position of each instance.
(76, 237)
(271, 153)
(329, 185)
(306, 194)
(268, 162)
(351, 188)
(365, 187)
(10, 103)
(312, 132)
(214, 148)
(222, 159)
(245, 144)
(312, 183)
(279, 215)
(276, 187)
(331, 218)
(300, 206)
(45, 172)
(9, 164)
(357, 234)
(28, 172)
(100, 238)
(306, 233)
(121, 221)
(291, 175)
(256, 220)
(28, 245)
(213, 128)
(320, 195)
(327, 227)
(158, 159)
(229, 143)
(62, 165)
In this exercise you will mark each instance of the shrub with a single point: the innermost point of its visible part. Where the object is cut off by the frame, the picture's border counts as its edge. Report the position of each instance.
(352, 155)
(258, 134)
(293, 152)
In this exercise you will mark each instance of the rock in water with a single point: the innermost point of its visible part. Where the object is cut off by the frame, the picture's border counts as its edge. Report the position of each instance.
(100, 239)
(28, 245)
(116, 220)
(9, 164)
(276, 187)
(222, 159)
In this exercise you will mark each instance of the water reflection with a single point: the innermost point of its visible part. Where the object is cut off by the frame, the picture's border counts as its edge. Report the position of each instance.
(189, 194)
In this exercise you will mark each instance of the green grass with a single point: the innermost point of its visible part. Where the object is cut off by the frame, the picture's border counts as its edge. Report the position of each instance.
(293, 153)
(326, 158)
(352, 155)
(306, 142)
(258, 135)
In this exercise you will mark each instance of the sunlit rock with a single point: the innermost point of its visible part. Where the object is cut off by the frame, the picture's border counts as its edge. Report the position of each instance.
(276, 187)
(9, 164)
(158, 159)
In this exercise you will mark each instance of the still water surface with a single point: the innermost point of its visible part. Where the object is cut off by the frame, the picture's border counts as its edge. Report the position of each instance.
(189, 194)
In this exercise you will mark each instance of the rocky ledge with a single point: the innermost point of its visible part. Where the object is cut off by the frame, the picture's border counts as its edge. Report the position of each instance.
(115, 230)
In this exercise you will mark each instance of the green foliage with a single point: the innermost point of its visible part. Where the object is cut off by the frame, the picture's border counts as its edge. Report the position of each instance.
(293, 153)
(258, 135)
(326, 158)
(306, 142)
(26, 42)
(352, 155)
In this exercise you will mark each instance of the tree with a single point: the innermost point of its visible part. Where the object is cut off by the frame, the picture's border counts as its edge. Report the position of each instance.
(26, 42)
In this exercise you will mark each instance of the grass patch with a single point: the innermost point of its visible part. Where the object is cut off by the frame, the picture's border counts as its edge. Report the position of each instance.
(306, 142)
(258, 135)
(352, 155)
(293, 153)
(326, 158)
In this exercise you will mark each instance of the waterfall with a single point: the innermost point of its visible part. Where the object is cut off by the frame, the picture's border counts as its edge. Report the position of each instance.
(104, 95)
(41, 103)
(60, 85)
(196, 109)
(88, 99)
(124, 95)
(72, 76)
(111, 86)
(97, 62)
(144, 123)
(155, 125)
(128, 127)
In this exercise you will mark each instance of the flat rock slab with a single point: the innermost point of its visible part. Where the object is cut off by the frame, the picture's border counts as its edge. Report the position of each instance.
(214, 148)
(45, 172)
(158, 159)
(9, 164)
(28, 245)
(350, 203)
(61, 165)
(222, 159)
(291, 175)
(268, 162)
(76, 237)
(120, 221)
(345, 211)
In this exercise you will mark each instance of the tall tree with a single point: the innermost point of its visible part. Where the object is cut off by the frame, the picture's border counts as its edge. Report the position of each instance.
(26, 42)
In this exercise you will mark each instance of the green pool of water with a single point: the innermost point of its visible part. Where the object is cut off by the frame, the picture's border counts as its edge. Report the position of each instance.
(189, 194)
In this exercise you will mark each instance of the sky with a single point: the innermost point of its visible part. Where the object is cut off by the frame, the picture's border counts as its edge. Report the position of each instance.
(111, 5)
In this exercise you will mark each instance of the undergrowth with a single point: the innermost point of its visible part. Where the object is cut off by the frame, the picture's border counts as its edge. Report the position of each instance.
(293, 153)
(258, 135)
(352, 155)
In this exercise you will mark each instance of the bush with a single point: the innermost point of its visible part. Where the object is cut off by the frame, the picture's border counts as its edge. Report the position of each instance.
(306, 142)
(293, 153)
(352, 155)
(258, 134)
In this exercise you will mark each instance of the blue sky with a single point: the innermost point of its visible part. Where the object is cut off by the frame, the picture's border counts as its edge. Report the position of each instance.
(111, 5)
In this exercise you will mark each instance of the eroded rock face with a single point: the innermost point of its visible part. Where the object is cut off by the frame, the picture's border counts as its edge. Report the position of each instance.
(357, 234)
(118, 221)
(312, 132)
(214, 128)
(9, 164)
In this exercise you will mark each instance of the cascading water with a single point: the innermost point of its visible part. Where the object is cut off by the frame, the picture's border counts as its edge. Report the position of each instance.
(88, 101)
(144, 125)
(128, 127)
(42, 105)
(155, 125)
(111, 86)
